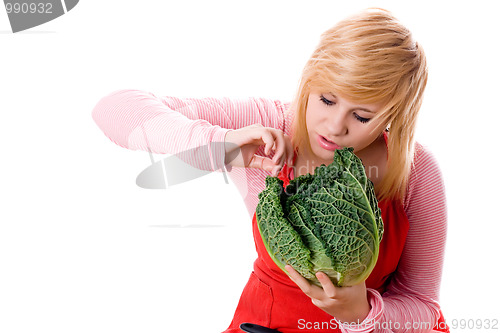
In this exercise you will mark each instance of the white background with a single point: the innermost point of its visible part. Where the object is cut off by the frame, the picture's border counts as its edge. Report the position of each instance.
(83, 249)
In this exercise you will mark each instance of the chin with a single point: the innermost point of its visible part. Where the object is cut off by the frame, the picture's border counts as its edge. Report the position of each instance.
(323, 155)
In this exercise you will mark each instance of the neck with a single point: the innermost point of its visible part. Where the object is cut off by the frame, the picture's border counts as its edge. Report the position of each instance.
(305, 164)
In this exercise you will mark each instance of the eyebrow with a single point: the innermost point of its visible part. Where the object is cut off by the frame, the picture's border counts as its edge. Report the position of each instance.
(357, 107)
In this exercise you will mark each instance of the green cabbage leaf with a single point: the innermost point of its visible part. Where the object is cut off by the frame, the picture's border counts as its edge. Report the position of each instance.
(328, 222)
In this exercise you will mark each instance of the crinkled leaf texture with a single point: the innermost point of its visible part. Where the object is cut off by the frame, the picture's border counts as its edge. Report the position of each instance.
(328, 222)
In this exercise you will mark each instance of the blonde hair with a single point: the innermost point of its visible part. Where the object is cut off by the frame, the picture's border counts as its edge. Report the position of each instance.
(370, 58)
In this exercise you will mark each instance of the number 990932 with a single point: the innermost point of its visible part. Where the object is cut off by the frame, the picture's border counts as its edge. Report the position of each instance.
(28, 8)
(470, 324)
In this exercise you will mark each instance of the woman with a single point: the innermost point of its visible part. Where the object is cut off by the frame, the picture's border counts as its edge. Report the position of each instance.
(361, 88)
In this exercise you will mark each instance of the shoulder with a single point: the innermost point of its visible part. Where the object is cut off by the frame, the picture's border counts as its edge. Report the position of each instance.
(425, 182)
(280, 106)
(261, 103)
(280, 111)
(425, 162)
(273, 112)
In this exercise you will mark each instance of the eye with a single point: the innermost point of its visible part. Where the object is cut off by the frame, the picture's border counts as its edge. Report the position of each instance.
(361, 119)
(326, 101)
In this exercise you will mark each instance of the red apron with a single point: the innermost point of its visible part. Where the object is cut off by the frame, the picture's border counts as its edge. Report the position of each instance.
(271, 299)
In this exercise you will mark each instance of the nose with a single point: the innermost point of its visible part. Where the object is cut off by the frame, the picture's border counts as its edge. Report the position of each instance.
(337, 123)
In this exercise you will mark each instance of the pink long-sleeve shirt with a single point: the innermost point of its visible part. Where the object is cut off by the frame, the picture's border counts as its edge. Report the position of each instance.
(139, 120)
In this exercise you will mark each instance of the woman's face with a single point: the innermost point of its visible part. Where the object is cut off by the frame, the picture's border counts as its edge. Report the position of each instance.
(343, 123)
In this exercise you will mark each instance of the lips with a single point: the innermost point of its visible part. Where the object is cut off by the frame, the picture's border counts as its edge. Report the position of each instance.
(326, 144)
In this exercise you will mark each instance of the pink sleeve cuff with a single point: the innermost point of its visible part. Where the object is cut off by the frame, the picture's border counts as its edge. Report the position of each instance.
(368, 324)
(217, 151)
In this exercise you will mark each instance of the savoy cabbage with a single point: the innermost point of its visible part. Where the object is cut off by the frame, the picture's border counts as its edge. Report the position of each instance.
(328, 222)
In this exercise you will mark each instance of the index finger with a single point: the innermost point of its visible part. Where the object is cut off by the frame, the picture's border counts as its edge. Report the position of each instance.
(328, 287)
(304, 285)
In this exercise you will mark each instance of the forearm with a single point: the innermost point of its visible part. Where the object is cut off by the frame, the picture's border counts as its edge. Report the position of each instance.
(139, 120)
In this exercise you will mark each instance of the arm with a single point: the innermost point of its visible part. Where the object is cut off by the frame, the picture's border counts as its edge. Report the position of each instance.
(139, 120)
(413, 293)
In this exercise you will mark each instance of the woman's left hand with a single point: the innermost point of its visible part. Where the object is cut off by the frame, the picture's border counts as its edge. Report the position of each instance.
(346, 304)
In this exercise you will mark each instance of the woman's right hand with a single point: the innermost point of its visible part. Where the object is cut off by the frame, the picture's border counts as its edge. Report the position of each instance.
(241, 145)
